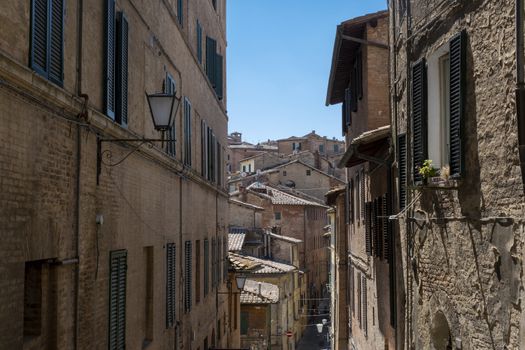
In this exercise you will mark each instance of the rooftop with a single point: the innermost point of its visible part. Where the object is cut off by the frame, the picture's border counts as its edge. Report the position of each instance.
(235, 241)
(253, 265)
(256, 292)
(279, 197)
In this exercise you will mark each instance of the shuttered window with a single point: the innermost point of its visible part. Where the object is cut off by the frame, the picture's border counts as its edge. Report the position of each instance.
(359, 296)
(419, 117)
(386, 229)
(197, 271)
(347, 110)
(187, 276)
(211, 60)
(213, 262)
(359, 64)
(352, 200)
(121, 67)
(204, 149)
(402, 168)
(109, 72)
(187, 132)
(180, 12)
(171, 88)
(364, 305)
(368, 227)
(457, 105)
(219, 260)
(206, 267)
(47, 39)
(352, 289)
(219, 80)
(199, 41)
(117, 300)
(171, 300)
(363, 193)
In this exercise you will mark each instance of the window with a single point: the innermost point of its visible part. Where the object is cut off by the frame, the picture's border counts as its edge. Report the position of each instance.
(363, 193)
(284, 172)
(321, 149)
(117, 299)
(347, 111)
(336, 148)
(244, 168)
(214, 66)
(148, 294)
(357, 198)
(277, 215)
(170, 88)
(116, 65)
(206, 267)
(180, 11)
(187, 132)
(214, 3)
(364, 305)
(359, 298)
(213, 263)
(438, 108)
(171, 300)
(47, 43)
(402, 169)
(197, 271)
(308, 172)
(244, 323)
(32, 299)
(187, 276)
(204, 150)
(199, 42)
(296, 146)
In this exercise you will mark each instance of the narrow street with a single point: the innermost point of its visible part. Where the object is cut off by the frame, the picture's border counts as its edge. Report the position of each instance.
(312, 339)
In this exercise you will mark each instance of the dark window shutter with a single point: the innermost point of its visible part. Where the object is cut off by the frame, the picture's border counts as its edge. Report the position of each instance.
(373, 227)
(362, 194)
(39, 40)
(206, 267)
(349, 108)
(180, 11)
(353, 88)
(386, 229)
(187, 276)
(352, 288)
(219, 81)
(199, 42)
(117, 300)
(56, 41)
(343, 118)
(364, 304)
(457, 105)
(219, 260)
(204, 150)
(211, 58)
(359, 74)
(368, 226)
(171, 88)
(121, 68)
(187, 132)
(352, 200)
(359, 299)
(402, 167)
(109, 73)
(170, 284)
(419, 116)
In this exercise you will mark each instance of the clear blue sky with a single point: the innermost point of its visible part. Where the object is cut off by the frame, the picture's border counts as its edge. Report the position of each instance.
(278, 60)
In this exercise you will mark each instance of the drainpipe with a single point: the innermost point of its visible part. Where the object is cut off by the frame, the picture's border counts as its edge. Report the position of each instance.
(520, 87)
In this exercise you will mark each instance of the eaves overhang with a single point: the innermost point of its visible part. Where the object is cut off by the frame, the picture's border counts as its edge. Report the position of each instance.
(365, 147)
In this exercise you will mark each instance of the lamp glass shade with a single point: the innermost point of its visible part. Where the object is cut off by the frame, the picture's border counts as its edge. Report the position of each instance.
(161, 108)
(324, 321)
(241, 280)
(319, 327)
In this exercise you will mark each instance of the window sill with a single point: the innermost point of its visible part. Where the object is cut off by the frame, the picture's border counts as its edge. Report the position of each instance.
(437, 183)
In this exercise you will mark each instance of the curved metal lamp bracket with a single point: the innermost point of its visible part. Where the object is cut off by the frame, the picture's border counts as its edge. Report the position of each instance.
(105, 156)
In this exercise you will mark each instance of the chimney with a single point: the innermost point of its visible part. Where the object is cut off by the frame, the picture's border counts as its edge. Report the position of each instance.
(244, 193)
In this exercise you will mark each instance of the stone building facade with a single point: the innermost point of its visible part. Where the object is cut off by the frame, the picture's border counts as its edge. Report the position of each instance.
(118, 258)
(363, 257)
(453, 76)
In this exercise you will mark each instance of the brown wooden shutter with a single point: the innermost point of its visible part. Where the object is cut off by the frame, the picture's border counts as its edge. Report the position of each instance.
(419, 117)
(187, 275)
(457, 105)
(359, 299)
(117, 300)
(365, 304)
(385, 229)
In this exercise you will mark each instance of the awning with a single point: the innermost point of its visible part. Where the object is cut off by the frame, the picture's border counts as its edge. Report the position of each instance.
(365, 147)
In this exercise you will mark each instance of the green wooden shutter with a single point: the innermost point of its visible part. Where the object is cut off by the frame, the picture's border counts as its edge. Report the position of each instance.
(402, 168)
(219, 81)
(39, 36)
(109, 72)
(211, 58)
(187, 132)
(244, 322)
(121, 66)
(187, 276)
(368, 226)
(419, 117)
(364, 304)
(117, 300)
(171, 273)
(199, 41)
(206, 267)
(56, 41)
(457, 105)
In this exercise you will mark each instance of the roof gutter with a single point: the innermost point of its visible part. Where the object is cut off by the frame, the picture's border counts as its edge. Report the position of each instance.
(520, 87)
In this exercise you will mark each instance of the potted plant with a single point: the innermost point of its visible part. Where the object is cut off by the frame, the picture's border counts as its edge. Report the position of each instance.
(427, 171)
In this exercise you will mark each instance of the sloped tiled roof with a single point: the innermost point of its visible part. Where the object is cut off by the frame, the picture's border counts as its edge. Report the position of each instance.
(235, 241)
(244, 204)
(283, 238)
(279, 197)
(256, 292)
(253, 265)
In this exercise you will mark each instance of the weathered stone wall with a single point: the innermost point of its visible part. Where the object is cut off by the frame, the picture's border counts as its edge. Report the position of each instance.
(464, 252)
